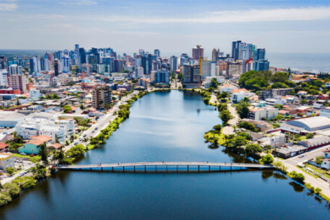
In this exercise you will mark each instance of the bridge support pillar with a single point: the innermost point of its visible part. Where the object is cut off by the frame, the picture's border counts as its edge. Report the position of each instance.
(112, 169)
(188, 168)
(198, 168)
(156, 168)
(209, 168)
(101, 168)
(123, 169)
(90, 168)
(166, 168)
(177, 168)
(134, 169)
(145, 168)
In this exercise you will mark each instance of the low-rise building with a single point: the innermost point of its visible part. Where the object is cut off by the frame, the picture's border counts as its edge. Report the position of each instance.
(261, 125)
(6, 160)
(32, 147)
(325, 111)
(4, 147)
(315, 142)
(260, 113)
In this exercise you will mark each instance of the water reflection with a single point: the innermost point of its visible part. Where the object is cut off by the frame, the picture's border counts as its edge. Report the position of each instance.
(297, 187)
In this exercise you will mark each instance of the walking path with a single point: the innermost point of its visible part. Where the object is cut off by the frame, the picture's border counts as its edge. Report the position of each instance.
(309, 179)
(229, 129)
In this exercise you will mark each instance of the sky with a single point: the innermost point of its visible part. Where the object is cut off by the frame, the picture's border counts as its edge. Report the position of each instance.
(173, 26)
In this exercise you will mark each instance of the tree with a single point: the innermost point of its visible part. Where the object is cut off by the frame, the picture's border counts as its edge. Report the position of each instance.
(299, 177)
(12, 188)
(214, 83)
(39, 171)
(35, 159)
(303, 101)
(44, 153)
(180, 76)
(5, 198)
(252, 149)
(268, 159)
(279, 117)
(267, 147)
(10, 170)
(67, 109)
(279, 106)
(207, 100)
(56, 139)
(217, 127)
(297, 137)
(25, 182)
(318, 160)
(223, 95)
(17, 101)
(225, 116)
(82, 107)
(243, 109)
(309, 135)
(238, 141)
(222, 106)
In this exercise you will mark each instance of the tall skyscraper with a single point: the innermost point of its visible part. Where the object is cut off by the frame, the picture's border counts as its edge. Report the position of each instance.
(259, 54)
(2, 62)
(141, 52)
(14, 69)
(235, 49)
(157, 53)
(173, 63)
(101, 97)
(215, 54)
(197, 52)
(18, 82)
(56, 67)
(261, 65)
(36, 65)
(65, 64)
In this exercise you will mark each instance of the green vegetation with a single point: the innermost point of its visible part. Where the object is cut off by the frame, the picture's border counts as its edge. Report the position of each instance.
(257, 80)
(247, 126)
(243, 109)
(225, 116)
(10, 170)
(67, 109)
(309, 135)
(299, 177)
(252, 149)
(16, 142)
(268, 159)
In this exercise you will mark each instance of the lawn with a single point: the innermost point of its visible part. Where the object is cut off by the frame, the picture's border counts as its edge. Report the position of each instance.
(22, 156)
(318, 170)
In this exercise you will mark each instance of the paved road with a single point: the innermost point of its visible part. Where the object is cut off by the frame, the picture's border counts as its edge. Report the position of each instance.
(309, 155)
(102, 122)
(25, 165)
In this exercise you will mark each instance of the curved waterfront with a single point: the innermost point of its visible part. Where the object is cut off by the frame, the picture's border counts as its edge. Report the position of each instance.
(165, 126)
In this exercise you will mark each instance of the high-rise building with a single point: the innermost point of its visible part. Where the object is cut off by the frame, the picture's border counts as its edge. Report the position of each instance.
(261, 65)
(212, 68)
(205, 68)
(141, 52)
(15, 70)
(65, 64)
(3, 62)
(56, 67)
(3, 78)
(173, 63)
(81, 57)
(18, 82)
(259, 54)
(157, 53)
(184, 59)
(197, 52)
(215, 54)
(191, 74)
(161, 76)
(36, 65)
(101, 97)
(234, 68)
(235, 49)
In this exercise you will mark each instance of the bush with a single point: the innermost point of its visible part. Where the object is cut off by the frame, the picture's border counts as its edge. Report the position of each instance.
(299, 177)
(207, 100)
(5, 198)
(268, 159)
(12, 188)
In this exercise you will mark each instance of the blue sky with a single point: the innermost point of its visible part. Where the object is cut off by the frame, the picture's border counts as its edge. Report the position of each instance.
(173, 26)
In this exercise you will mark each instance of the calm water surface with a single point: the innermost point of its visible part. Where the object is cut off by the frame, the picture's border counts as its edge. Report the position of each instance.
(165, 126)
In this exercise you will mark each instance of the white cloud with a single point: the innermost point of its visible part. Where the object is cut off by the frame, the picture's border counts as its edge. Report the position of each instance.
(8, 6)
(79, 2)
(252, 15)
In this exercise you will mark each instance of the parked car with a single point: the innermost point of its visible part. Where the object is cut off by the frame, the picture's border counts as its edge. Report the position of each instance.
(93, 131)
(84, 135)
(301, 155)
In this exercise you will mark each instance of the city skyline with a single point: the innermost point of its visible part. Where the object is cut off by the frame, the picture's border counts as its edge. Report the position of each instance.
(290, 26)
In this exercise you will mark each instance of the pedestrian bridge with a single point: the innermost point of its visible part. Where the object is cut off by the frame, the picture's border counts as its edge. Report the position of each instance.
(167, 167)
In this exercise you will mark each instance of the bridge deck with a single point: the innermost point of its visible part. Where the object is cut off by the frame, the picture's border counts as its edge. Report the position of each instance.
(167, 167)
